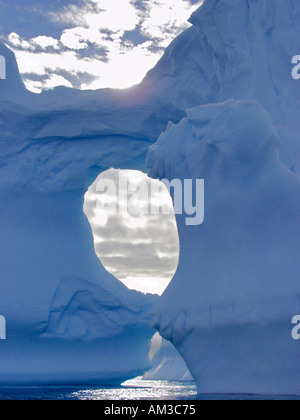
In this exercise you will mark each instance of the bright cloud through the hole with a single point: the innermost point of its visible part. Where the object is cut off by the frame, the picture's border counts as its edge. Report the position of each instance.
(142, 250)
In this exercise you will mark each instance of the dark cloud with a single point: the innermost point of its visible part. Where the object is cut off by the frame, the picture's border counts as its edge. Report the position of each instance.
(108, 34)
(76, 79)
(151, 251)
(158, 229)
(155, 47)
(94, 52)
(42, 78)
(193, 2)
(142, 5)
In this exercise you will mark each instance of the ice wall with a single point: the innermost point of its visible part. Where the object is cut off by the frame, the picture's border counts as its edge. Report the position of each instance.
(54, 145)
(241, 50)
(68, 320)
(167, 364)
(229, 308)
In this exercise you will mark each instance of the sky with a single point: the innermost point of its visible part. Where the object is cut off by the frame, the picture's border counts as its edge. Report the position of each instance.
(90, 44)
(141, 250)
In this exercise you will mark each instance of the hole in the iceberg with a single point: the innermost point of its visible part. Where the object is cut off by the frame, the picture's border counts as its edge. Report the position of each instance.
(134, 227)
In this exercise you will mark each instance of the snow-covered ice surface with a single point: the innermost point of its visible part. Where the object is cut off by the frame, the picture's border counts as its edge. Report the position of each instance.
(229, 308)
(238, 50)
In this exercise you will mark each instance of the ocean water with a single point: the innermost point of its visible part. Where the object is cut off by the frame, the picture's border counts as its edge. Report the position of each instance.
(133, 390)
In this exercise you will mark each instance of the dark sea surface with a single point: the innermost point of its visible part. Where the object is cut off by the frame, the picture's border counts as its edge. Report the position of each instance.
(132, 391)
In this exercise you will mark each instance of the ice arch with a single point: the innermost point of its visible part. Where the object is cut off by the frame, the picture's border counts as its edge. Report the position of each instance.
(134, 228)
(67, 317)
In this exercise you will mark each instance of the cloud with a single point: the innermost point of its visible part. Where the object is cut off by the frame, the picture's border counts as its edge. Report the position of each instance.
(131, 247)
(114, 41)
(76, 79)
(45, 42)
(72, 14)
(36, 45)
(73, 79)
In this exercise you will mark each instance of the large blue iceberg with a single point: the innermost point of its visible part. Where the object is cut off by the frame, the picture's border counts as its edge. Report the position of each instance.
(226, 86)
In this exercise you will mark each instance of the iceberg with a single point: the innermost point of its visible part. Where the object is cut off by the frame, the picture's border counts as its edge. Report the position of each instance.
(237, 50)
(167, 364)
(229, 308)
(226, 86)
(68, 321)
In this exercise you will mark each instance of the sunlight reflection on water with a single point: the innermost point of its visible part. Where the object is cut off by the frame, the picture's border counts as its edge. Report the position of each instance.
(142, 390)
(133, 390)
